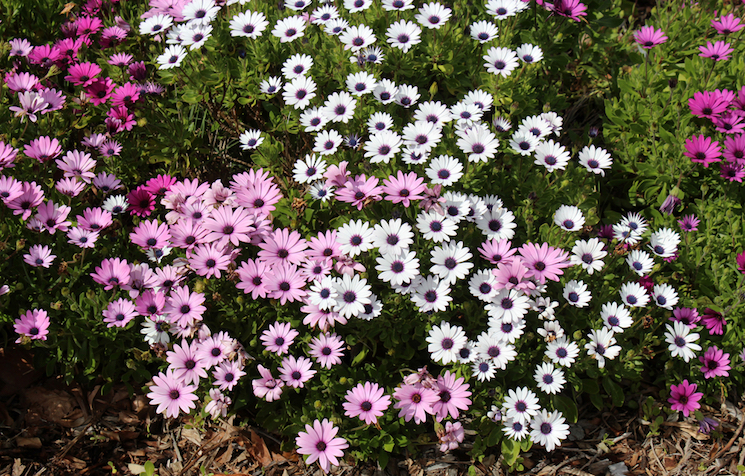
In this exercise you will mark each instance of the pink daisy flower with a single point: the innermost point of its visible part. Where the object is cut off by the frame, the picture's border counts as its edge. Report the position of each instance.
(367, 402)
(684, 397)
(7, 155)
(184, 307)
(718, 51)
(227, 374)
(118, 313)
(324, 246)
(323, 318)
(714, 321)
(82, 238)
(106, 182)
(543, 261)
(267, 386)
(33, 325)
(31, 196)
(99, 90)
(359, 191)
(185, 363)
(10, 188)
(283, 247)
(327, 349)
(149, 234)
(113, 272)
(648, 37)
(42, 149)
(727, 24)
(279, 337)
(53, 217)
(82, 74)
(94, 219)
(403, 188)
(453, 396)
(187, 234)
(160, 185)
(295, 372)
(150, 303)
(213, 350)
(497, 251)
(77, 164)
(125, 95)
(319, 442)
(228, 225)
(252, 276)
(286, 284)
(39, 255)
(171, 394)
(209, 260)
(715, 363)
(141, 202)
(415, 401)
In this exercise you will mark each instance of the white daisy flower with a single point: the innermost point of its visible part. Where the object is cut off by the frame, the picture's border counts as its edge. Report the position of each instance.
(353, 294)
(615, 317)
(484, 31)
(385, 91)
(251, 139)
(436, 227)
(501, 9)
(407, 95)
(588, 254)
(313, 120)
(172, 57)
(248, 24)
(397, 5)
(355, 237)
(289, 29)
(403, 35)
(515, 430)
(299, 92)
(549, 379)
(398, 269)
(478, 143)
(500, 61)
(339, 107)
(682, 341)
(634, 295)
(327, 142)
(521, 404)
(434, 112)
(382, 146)
(595, 159)
(529, 53)
(523, 142)
(665, 296)
(602, 345)
(296, 65)
(431, 295)
(444, 170)
(361, 83)
(272, 85)
(499, 224)
(335, 26)
(433, 15)
(309, 170)
(548, 429)
(445, 341)
(323, 293)
(562, 352)
(450, 261)
(484, 369)
(392, 237)
(483, 285)
(508, 305)
(379, 122)
(320, 191)
(355, 38)
(640, 262)
(551, 155)
(664, 242)
(569, 218)
(155, 24)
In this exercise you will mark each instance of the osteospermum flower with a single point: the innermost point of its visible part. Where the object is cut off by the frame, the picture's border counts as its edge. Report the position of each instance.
(548, 429)
(171, 394)
(321, 444)
(521, 405)
(684, 397)
(715, 362)
(34, 325)
(267, 386)
(445, 341)
(682, 341)
(648, 37)
(415, 401)
(569, 218)
(295, 372)
(39, 255)
(702, 150)
(595, 159)
(719, 51)
(453, 396)
(549, 379)
(367, 402)
(500, 61)
(279, 337)
(327, 349)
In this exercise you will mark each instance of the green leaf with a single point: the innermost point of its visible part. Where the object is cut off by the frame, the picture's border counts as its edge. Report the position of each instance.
(567, 407)
(614, 390)
(359, 357)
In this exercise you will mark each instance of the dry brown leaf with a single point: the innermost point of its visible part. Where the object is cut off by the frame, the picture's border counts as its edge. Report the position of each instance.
(128, 418)
(68, 8)
(192, 435)
(225, 457)
(28, 442)
(18, 468)
(256, 448)
(75, 463)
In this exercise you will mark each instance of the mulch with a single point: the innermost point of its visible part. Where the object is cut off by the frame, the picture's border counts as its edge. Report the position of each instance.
(50, 428)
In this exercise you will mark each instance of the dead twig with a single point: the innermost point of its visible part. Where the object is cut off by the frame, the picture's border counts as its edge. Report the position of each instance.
(729, 443)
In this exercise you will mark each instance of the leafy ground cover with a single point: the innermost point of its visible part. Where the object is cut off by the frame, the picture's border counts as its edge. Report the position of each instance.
(372, 229)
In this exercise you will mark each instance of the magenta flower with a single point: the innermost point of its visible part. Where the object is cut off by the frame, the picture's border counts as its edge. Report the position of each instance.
(708, 104)
(719, 51)
(267, 386)
(687, 316)
(150, 303)
(113, 272)
(125, 95)
(684, 397)
(572, 9)
(453, 396)
(31, 196)
(689, 223)
(184, 307)
(403, 188)
(714, 321)
(295, 372)
(7, 155)
(33, 325)
(53, 217)
(732, 172)
(253, 275)
(82, 74)
(319, 442)
(171, 394)
(118, 313)
(727, 24)
(741, 262)
(415, 401)
(141, 202)
(327, 349)
(715, 363)
(228, 225)
(99, 90)
(647, 37)
(367, 402)
(214, 349)
(702, 150)
(94, 219)
(279, 337)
